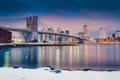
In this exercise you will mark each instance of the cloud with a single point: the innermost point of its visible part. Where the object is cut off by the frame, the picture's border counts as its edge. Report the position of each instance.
(9, 7)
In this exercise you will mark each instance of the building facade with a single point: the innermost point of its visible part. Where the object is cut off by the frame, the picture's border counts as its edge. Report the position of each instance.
(85, 31)
(117, 34)
(102, 33)
(5, 36)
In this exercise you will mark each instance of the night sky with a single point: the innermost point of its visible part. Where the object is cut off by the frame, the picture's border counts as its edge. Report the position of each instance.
(94, 13)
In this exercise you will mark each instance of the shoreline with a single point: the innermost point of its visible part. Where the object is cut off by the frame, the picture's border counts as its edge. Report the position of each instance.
(32, 44)
(45, 44)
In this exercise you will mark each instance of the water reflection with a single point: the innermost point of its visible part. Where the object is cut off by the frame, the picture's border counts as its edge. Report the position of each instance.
(4, 57)
(94, 56)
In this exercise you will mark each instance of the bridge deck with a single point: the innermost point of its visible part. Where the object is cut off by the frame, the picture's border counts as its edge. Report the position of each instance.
(39, 32)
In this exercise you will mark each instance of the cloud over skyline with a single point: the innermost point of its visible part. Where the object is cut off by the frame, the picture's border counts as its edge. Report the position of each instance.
(74, 7)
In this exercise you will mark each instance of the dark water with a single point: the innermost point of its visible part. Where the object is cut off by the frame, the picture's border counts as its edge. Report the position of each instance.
(94, 56)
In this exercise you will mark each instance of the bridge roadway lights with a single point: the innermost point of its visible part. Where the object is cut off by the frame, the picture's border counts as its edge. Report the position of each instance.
(59, 38)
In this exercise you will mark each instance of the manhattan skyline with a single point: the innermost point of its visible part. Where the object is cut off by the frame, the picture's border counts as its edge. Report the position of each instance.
(68, 14)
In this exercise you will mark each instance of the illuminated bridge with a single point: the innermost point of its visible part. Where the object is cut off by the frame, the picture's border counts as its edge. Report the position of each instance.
(31, 34)
(48, 37)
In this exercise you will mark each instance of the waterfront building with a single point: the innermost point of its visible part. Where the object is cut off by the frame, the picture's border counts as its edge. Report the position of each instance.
(109, 39)
(102, 33)
(59, 30)
(43, 36)
(113, 35)
(5, 36)
(67, 32)
(80, 34)
(50, 30)
(99, 40)
(117, 39)
(117, 34)
(43, 30)
(50, 36)
(85, 31)
(66, 38)
(58, 38)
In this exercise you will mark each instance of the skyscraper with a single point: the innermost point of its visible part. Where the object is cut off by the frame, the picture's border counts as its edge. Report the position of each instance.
(102, 33)
(85, 30)
(59, 30)
(117, 34)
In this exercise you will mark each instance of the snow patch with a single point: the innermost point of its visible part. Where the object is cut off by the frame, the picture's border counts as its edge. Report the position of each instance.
(48, 73)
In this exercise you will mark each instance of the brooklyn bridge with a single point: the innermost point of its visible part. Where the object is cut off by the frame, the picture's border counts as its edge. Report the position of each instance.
(31, 34)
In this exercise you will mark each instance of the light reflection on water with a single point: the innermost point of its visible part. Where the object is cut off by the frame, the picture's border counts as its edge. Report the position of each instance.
(88, 56)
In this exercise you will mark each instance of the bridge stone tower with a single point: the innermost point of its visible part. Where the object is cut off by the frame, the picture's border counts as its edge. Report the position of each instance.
(32, 25)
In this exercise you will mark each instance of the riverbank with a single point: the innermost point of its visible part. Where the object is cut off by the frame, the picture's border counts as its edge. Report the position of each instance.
(44, 44)
(101, 42)
(33, 44)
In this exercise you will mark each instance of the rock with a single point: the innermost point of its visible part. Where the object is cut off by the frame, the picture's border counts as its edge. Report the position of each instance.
(51, 69)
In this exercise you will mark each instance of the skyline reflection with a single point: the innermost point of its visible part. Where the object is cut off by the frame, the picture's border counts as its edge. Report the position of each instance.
(94, 56)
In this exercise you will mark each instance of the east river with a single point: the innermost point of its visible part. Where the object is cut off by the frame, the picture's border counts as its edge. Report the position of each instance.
(87, 56)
